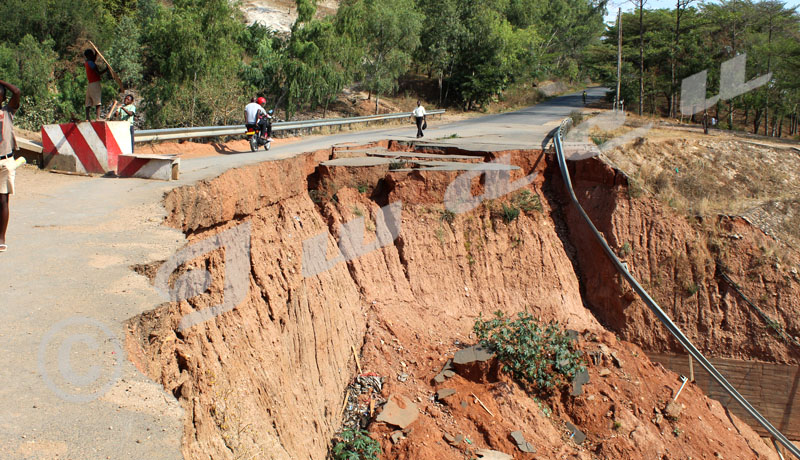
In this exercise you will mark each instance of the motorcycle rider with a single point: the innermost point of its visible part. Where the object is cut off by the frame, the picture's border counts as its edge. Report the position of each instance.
(256, 117)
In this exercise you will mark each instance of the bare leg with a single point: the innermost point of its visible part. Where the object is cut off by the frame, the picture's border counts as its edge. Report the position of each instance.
(97, 113)
(3, 217)
(87, 113)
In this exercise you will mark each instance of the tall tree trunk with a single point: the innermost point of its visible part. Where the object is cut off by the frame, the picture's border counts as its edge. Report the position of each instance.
(757, 120)
(641, 55)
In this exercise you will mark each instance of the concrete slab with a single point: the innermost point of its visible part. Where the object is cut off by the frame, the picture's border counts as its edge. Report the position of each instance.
(387, 153)
(398, 411)
(356, 162)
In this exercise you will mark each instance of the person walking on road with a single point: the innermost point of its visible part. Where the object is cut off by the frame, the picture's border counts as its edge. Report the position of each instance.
(93, 89)
(420, 115)
(7, 145)
(584, 97)
(127, 113)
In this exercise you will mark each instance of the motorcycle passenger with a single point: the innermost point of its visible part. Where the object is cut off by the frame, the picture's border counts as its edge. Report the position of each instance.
(253, 113)
(268, 121)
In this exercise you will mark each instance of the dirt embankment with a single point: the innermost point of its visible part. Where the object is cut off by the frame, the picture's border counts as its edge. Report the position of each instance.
(267, 379)
(679, 261)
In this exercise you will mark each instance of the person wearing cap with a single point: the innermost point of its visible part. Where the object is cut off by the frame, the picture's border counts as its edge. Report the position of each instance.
(7, 145)
(252, 120)
(127, 112)
(93, 89)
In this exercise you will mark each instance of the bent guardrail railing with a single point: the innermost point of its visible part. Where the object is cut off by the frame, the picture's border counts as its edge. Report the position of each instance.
(777, 436)
(147, 135)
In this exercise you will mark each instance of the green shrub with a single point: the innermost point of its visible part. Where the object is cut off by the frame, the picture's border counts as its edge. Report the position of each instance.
(692, 288)
(527, 201)
(510, 213)
(446, 215)
(355, 445)
(397, 165)
(541, 356)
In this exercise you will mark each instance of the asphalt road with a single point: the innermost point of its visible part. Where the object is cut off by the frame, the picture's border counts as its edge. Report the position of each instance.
(66, 387)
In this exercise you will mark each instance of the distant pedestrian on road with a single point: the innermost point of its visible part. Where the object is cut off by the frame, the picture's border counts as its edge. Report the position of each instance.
(420, 115)
(7, 145)
(93, 89)
(127, 113)
(584, 97)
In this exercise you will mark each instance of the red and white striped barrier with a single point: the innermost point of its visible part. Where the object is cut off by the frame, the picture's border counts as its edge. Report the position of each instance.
(101, 147)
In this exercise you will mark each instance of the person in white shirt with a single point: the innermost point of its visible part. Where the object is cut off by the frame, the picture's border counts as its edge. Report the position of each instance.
(419, 116)
(251, 115)
(7, 146)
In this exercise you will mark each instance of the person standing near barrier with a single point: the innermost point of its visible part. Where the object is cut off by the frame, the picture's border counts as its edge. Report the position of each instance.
(7, 144)
(127, 113)
(419, 116)
(93, 90)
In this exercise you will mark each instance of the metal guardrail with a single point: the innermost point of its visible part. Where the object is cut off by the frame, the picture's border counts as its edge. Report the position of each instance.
(777, 436)
(148, 135)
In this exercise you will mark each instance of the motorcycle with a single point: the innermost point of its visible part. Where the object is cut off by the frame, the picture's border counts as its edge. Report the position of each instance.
(255, 138)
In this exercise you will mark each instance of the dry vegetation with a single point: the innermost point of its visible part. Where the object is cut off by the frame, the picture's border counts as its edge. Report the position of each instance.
(716, 174)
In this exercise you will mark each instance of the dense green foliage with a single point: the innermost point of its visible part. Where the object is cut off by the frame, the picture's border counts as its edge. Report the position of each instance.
(195, 62)
(355, 445)
(709, 34)
(542, 356)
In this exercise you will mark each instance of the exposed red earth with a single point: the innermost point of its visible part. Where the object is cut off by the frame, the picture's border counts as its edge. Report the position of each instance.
(268, 379)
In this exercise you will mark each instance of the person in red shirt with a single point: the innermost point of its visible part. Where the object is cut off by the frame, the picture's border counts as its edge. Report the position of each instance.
(93, 90)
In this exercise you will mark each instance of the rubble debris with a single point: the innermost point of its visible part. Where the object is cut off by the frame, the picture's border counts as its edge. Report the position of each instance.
(522, 444)
(615, 359)
(472, 354)
(394, 414)
(402, 377)
(486, 454)
(575, 434)
(580, 379)
(362, 395)
(673, 410)
(444, 393)
(446, 372)
(397, 436)
(453, 440)
(604, 372)
(476, 363)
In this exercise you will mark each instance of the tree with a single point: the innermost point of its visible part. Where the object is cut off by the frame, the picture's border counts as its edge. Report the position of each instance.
(391, 35)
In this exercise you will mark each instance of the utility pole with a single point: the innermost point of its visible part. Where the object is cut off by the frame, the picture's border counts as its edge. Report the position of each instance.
(619, 57)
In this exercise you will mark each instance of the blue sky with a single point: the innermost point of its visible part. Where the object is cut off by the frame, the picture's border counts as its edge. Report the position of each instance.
(627, 5)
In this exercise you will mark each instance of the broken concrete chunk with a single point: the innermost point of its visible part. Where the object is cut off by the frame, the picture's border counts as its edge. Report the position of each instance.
(476, 363)
(449, 374)
(617, 362)
(522, 444)
(486, 454)
(448, 365)
(394, 414)
(472, 354)
(445, 392)
(397, 436)
(439, 378)
(576, 434)
(580, 379)
(453, 440)
(604, 372)
(673, 410)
